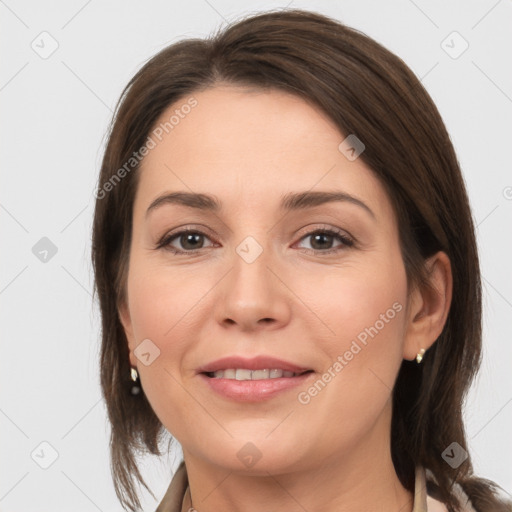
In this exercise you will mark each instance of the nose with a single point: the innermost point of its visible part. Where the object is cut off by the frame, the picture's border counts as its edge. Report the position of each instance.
(252, 296)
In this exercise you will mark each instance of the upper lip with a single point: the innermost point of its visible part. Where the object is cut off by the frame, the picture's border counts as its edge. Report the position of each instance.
(261, 362)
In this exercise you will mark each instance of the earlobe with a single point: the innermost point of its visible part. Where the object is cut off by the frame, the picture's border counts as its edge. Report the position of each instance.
(429, 307)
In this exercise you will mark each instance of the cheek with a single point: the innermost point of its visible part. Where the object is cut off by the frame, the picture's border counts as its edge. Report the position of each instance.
(367, 313)
(159, 303)
(362, 357)
(364, 309)
(170, 306)
(162, 302)
(348, 301)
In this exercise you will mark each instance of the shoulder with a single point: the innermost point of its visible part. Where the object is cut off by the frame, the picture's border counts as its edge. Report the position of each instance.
(434, 504)
(173, 498)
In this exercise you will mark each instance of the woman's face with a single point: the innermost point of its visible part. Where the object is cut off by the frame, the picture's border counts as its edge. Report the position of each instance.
(269, 277)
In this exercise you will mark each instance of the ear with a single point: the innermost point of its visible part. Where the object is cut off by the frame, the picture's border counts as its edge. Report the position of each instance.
(428, 308)
(126, 321)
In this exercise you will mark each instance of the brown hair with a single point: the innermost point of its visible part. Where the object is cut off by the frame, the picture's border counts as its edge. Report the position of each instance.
(367, 91)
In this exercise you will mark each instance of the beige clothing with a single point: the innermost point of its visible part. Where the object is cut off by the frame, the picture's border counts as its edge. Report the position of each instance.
(173, 498)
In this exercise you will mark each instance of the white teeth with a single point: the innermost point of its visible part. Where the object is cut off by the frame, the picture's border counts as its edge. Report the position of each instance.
(244, 374)
(260, 374)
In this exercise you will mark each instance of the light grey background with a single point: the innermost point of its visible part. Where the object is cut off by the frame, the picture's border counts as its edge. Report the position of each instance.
(55, 112)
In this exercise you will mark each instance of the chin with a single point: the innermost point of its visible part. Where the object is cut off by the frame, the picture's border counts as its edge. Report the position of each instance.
(259, 456)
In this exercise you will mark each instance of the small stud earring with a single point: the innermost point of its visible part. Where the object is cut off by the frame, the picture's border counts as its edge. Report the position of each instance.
(136, 389)
(419, 356)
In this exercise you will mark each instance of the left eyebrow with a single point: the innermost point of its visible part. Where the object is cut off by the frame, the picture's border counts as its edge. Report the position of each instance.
(290, 201)
(303, 200)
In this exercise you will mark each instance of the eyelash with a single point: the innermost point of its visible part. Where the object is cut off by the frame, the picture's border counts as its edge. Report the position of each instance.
(347, 242)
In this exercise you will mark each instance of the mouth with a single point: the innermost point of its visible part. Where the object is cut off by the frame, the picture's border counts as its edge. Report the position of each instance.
(244, 385)
(247, 374)
(254, 379)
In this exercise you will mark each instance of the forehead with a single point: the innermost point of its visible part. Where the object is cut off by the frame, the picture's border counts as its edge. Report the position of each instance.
(236, 121)
(251, 146)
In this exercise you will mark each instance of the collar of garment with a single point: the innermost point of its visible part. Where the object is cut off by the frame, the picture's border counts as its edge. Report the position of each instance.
(423, 502)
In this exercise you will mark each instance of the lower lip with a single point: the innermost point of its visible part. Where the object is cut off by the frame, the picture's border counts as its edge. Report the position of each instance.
(254, 390)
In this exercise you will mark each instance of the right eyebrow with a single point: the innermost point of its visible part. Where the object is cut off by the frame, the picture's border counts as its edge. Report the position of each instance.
(190, 199)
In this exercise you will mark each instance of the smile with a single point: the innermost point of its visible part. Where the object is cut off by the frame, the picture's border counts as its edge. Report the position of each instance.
(245, 374)
(243, 385)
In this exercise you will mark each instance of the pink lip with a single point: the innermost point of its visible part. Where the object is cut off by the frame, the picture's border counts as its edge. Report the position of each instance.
(253, 390)
(254, 363)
